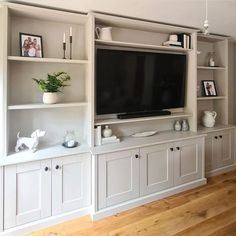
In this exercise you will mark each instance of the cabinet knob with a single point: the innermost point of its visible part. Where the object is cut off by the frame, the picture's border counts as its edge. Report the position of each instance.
(57, 167)
(216, 137)
(46, 168)
(172, 149)
(136, 156)
(220, 136)
(178, 148)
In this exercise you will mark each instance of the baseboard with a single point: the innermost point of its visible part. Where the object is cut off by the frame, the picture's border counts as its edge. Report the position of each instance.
(221, 170)
(146, 199)
(47, 222)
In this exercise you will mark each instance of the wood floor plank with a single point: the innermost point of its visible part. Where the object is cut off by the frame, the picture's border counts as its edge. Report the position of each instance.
(182, 214)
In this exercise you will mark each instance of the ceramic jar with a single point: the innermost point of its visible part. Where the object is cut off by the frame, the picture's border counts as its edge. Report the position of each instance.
(177, 126)
(208, 120)
(107, 132)
(185, 125)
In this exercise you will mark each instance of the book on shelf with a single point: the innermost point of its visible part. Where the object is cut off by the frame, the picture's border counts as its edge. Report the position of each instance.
(172, 43)
(185, 40)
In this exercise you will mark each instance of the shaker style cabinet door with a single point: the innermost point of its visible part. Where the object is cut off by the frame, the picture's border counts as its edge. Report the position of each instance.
(156, 168)
(118, 177)
(188, 158)
(71, 183)
(210, 152)
(27, 193)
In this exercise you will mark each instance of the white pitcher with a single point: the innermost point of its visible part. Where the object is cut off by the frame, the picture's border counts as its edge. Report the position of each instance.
(103, 33)
(209, 118)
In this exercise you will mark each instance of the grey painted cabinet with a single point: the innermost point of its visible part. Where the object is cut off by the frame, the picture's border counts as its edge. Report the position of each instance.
(219, 150)
(118, 177)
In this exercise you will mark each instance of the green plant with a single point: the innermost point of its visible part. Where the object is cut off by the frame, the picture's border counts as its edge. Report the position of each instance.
(54, 83)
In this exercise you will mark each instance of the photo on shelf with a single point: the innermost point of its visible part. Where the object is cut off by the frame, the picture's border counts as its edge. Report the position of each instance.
(31, 45)
(209, 88)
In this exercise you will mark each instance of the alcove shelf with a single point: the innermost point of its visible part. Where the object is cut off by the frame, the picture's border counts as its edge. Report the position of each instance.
(211, 68)
(141, 46)
(46, 60)
(46, 106)
(121, 121)
(210, 98)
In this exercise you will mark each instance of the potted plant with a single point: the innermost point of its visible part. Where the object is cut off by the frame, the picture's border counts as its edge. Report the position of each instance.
(52, 85)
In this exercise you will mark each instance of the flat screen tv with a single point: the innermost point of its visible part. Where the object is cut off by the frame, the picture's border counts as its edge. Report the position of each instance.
(138, 81)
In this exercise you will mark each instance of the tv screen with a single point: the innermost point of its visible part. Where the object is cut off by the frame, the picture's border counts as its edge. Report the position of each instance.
(137, 81)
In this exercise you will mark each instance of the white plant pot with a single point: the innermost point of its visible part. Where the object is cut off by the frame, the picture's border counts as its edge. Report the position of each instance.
(50, 98)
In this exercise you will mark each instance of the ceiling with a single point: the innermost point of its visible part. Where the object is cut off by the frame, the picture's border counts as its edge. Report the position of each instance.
(221, 13)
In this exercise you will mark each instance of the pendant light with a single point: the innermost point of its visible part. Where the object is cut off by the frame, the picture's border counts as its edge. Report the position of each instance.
(206, 24)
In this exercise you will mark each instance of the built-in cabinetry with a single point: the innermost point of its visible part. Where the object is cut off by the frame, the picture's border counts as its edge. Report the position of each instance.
(135, 173)
(39, 189)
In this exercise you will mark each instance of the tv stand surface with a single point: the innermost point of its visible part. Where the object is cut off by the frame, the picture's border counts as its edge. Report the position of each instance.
(143, 114)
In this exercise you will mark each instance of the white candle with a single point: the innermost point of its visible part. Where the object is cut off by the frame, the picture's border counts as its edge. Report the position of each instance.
(70, 31)
(64, 38)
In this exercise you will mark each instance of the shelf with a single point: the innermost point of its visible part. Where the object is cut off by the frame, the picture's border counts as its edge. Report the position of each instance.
(211, 37)
(211, 98)
(43, 153)
(210, 68)
(129, 142)
(46, 60)
(141, 46)
(45, 106)
(120, 121)
(217, 127)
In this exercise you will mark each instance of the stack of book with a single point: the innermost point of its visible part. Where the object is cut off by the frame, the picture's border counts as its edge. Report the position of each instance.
(185, 40)
(172, 43)
(112, 139)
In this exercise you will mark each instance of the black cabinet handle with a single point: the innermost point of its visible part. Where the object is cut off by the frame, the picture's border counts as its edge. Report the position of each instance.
(172, 149)
(57, 167)
(220, 136)
(136, 156)
(178, 148)
(216, 137)
(46, 168)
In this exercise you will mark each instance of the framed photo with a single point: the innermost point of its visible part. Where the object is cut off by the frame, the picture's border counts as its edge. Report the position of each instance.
(209, 88)
(31, 45)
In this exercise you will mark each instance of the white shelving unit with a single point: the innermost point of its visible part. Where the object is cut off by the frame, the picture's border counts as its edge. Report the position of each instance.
(24, 108)
(143, 35)
(219, 74)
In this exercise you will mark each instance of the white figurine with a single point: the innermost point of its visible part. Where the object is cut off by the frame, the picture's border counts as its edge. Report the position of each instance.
(31, 143)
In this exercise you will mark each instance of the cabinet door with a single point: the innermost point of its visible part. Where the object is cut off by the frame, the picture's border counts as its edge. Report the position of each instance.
(71, 183)
(27, 195)
(225, 148)
(188, 159)
(211, 152)
(156, 168)
(118, 177)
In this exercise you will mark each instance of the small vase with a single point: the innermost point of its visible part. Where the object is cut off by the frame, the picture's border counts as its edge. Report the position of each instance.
(185, 125)
(50, 98)
(70, 139)
(107, 132)
(177, 126)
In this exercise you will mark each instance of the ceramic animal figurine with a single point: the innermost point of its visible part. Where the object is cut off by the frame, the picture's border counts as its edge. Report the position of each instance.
(30, 142)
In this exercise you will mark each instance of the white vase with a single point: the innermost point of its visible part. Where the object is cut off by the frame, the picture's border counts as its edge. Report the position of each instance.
(107, 132)
(177, 126)
(208, 120)
(185, 125)
(50, 98)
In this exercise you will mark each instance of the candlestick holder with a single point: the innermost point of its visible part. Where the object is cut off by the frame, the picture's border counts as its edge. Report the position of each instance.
(64, 50)
(70, 46)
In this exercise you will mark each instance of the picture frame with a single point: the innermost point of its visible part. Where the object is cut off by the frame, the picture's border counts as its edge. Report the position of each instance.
(209, 88)
(31, 45)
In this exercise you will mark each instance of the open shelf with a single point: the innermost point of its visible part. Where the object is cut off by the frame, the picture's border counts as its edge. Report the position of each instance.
(141, 46)
(121, 121)
(44, 106)
(210, 68)
(210, 98)
(46, 60)
(43, 153)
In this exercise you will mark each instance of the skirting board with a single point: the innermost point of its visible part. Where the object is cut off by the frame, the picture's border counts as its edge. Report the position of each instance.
(146, 199)
(46, 222)
(221, 170)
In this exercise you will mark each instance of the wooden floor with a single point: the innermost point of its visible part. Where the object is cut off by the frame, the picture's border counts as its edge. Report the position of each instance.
(208, 210)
